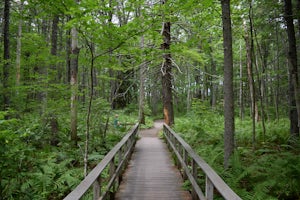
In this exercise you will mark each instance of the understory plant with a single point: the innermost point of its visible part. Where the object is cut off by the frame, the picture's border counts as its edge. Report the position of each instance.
(35, 167)
(270, 171)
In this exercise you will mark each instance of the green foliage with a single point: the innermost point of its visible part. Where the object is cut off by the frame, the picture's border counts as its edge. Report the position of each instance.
(32, 168)
(269, 172)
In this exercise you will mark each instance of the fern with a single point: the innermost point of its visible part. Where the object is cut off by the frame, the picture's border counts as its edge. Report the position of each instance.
(272, 171)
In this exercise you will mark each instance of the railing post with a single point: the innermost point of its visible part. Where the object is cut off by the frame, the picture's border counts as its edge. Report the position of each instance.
(97, 188)
(209, 189)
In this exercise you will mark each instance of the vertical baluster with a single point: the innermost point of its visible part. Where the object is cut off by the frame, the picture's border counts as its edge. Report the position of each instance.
(112, 169)
(121, 159)
(180, 154)
(195, 175)
(177, 163)
(118, 179)
(185, 160)
(97, 188)
(209, 189)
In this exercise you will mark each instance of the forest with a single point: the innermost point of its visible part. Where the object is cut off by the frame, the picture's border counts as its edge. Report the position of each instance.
(224, 74)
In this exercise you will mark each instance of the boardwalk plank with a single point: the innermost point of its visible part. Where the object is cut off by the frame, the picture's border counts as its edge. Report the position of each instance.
(151, 174)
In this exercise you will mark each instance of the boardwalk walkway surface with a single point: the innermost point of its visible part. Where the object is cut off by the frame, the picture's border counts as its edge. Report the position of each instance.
(151, 174)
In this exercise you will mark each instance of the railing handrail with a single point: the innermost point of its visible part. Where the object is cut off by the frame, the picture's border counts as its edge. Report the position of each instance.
(93, 177)
(213, 180)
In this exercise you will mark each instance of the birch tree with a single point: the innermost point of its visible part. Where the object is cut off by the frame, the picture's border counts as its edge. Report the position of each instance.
(74, 81)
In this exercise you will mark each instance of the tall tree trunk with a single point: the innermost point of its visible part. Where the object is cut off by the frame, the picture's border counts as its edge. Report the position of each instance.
(54, 36)
(293, 71)
(19, 46)
(228, 84)
(43, 71)
(88, 119)
(277, 67)
(298, 15)
(143, 69)
(249, 49)
(68, 56)
(189, 96)
(263, 52)
(6, 55)
(54, 67)
(241, 89)
(167, 73)
(74, 83)
(214, 84)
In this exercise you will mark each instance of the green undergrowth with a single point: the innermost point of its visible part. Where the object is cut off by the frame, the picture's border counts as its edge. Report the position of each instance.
(38, 161)
(271, 171)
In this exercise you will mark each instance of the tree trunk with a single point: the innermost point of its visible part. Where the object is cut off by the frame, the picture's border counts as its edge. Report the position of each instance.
(143, 69)
(6, 55)
(68, 56)
(74, 83)
(19, 46)
(228, 84)
(276, 69)
(263, 53)
(189, 96)
(241, 89)
(167, 73)
(214, 84)
(88, 119)
(298, 15)
(293, 71)
(249, 49)
(54, 37)
(43, 71)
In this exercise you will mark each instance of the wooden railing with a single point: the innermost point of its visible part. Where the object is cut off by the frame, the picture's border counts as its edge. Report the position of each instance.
(189, 162)
(114, 162)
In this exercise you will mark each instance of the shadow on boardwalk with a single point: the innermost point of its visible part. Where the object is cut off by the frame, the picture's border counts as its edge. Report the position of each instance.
(151, 174)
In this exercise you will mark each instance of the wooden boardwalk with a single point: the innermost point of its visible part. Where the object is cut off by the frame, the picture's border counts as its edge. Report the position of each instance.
(151, 174)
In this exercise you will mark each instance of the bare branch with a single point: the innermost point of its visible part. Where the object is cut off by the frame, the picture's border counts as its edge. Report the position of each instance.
(176, 66)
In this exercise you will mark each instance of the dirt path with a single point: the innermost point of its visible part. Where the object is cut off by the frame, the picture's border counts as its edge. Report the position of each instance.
(152, 132)
(151, 174)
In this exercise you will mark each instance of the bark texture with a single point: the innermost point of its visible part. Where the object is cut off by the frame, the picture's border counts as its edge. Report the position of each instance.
(6, 54)
(228, 83)
(293, 71)
(167, 75)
